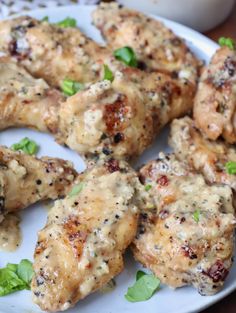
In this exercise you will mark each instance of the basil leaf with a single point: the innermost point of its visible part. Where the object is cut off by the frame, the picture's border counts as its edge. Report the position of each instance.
(231, 167)
(76, 190)
(143, 289)
(108, 75)
(148, 187)
(71, 87)
(26, 145)
(15, 277)
(228, 42)
(139, 274)
(67, 22)
(127, 56)
(196, 215)
(25, 271)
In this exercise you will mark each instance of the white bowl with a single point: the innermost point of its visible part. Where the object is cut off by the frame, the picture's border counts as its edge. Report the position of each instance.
(201, 15)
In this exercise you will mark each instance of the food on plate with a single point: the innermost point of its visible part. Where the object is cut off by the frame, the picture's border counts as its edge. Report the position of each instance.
(26, 101)
(215, 101)
(81, 247)
(26, 179)
(156, 46)
(211, 158)
(118, 116)
(188, 235)
(121, 117)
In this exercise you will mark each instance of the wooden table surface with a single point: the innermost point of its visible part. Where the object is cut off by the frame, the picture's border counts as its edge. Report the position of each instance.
(227, 29)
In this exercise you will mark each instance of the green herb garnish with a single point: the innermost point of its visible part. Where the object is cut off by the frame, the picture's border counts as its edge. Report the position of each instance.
(148, 187)
(231, 167)
(15, 277)
(71, 87)
(144, 287)
(229, 42)
(76, 189)
(108, 75)
(26, 145)
(196, 215)
(67, 22)
(45, 19)
(127, 56)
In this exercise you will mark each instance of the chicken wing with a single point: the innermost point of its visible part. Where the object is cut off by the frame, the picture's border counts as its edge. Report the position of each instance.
(81, 247)
(26, 179)
(156, 46)
(51, 52)
(123, 117)
(215, 102)
(205, 156)
(25, 101)
(188, 235)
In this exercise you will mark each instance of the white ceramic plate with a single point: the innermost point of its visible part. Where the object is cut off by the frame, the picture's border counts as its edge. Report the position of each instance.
(183, 300)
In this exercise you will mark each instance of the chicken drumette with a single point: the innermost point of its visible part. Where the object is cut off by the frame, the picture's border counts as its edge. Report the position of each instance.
(156, 46)
(188, 235)
(81, 247)
(205, 156)
(26, 179)
(215, 101)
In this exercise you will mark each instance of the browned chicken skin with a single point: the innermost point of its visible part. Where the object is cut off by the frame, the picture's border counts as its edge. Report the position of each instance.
(120, 118)
(26, 179)
(188, 235)
(156, 46)
(81, 247)
(215, 101)
(205, 156)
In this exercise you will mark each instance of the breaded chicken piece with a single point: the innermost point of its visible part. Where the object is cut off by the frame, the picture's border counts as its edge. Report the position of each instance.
(215, 101)
(156, 46)
(205, 156)
(81, 247)
(188, 236)
(26, 101)
(26, 179)
(51, 52)
(123, 117)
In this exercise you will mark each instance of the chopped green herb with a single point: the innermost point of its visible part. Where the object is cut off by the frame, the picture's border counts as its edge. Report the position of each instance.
(127, 56)
(196, 215)
(148, 187)
(45, 19)
(76, 189)
(67, 22)
(26, 145)
(15, 277)
(139, 274)
(71, 87)
(108, 75)
(229, 42)
(231, 167)
(144, 287)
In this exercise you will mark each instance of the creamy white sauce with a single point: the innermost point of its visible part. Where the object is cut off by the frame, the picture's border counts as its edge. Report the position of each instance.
(10, 233)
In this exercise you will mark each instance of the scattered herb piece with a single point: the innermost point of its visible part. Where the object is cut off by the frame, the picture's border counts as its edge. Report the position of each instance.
(127, 56)
(231, 167)
(71, 87)
(76, 189)
(67, 22)
(45, 19)
(139, 274)
(229, 42)
(108, 75)
(148, 187)
(26, 145)
(15, 277)
(196, 215)
(144, 287)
